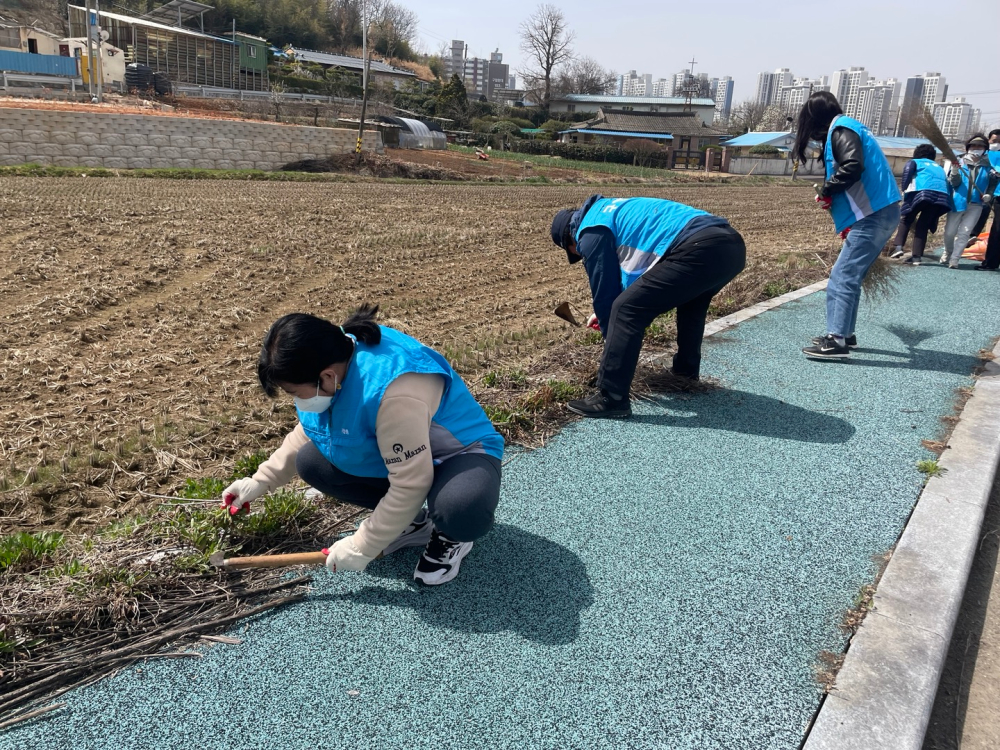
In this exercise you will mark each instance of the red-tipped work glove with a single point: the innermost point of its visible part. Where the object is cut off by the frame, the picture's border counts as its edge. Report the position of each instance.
(345, 555)
(239, 494)
(844, 233)
(824, 201)
(592, 322)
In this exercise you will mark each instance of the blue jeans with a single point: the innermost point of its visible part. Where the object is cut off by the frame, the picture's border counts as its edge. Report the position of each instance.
(861, 248)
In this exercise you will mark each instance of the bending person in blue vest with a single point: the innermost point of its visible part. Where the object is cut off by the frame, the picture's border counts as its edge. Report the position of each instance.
(925, 200)
(644, 257)
(972, 181)
(384, 423)
(861, 195)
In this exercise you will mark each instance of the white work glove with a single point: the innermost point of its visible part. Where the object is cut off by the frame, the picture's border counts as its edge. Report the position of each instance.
(987, 199)
(344, 555)
(240, 493)
(592, 322)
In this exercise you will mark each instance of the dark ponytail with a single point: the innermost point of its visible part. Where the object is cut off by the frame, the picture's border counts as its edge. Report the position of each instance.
(925, 151)
(361, 324)
(298, 347)
(814, 121)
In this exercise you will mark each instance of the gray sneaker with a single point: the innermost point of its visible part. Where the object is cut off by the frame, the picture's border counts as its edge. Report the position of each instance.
(417, 534)
(912, 261)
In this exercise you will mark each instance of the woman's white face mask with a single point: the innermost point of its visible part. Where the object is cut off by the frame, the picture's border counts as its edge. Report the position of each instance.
(316, 404)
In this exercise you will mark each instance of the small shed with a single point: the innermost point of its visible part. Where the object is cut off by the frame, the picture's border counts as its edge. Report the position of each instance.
(741, 144)
(681, 131)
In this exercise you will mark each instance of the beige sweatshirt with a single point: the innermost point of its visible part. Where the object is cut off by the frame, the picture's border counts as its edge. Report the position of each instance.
(402, 430)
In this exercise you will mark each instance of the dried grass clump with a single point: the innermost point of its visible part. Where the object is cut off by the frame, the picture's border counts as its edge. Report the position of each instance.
(75, 610)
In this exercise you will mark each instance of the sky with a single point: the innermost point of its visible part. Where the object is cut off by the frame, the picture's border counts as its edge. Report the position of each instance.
(740, 38)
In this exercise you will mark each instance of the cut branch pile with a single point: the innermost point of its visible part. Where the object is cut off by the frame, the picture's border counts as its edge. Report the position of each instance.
(102, 603)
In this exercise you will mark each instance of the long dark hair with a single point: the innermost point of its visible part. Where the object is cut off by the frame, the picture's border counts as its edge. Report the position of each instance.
(298, 347)
(925, 151)
(814, 120)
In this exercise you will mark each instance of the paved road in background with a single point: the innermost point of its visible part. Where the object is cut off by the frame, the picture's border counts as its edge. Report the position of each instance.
(665, 582)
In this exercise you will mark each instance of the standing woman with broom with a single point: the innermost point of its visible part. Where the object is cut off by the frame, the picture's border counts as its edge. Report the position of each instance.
(861, 194)
(972, 183)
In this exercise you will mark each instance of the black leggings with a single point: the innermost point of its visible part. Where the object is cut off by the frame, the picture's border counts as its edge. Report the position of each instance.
(687, 279)
(923, 219)
(461, 502)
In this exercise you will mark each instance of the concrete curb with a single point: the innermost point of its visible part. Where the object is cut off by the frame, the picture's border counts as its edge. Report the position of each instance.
(886, 689)
(717, 326)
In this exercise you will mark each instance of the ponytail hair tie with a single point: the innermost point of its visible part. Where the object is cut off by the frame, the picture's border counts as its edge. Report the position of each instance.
(342, 330)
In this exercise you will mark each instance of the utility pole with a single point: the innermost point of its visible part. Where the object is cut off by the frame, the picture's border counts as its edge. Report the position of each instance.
(90, 51)
(364, 80)
(99, 66)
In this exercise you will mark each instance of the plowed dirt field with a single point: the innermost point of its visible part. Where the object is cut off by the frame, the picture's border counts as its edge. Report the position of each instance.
(131, 310)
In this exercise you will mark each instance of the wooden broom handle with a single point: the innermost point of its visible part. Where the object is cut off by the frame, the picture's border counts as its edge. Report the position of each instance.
(276, 561)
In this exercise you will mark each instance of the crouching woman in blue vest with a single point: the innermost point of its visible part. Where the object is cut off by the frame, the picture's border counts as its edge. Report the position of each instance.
(925, 200)
(384, 423)
(645, 257)
(861, 194)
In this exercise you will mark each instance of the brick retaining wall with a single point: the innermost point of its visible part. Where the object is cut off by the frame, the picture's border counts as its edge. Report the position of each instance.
(121, 141)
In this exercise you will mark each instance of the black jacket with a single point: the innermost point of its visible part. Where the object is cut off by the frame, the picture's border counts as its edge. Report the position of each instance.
(850, 157)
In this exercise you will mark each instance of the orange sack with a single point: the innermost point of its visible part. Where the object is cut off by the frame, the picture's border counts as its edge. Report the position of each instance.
(977, 251)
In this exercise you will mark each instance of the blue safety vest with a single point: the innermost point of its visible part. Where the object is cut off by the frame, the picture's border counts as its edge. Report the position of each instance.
(644, 228)
(874, 191)
(972, 188)
(930, 176)
(345, 433)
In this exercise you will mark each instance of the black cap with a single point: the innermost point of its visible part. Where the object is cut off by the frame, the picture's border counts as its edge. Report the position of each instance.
(560, 232)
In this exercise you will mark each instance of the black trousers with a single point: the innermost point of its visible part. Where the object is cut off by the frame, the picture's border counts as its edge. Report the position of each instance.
(923, 219)
(687, 280)
(461, 502)
(992, 259)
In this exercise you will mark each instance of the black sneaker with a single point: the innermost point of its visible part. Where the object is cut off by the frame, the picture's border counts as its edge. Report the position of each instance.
(601, 406)
(984, 268)
(441, 559)
(828, 349)
(913, 260)
(417, 534)
(851, 341)
(897, 252)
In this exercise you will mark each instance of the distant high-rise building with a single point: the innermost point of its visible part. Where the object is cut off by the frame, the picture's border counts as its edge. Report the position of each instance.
(924, 90)
(663, 87)
(677, 82)
(637, 84)
(956, 119)
(911, 95)
(723, 98)
(876, 106)
(769, 85)
(935, 89)
(844, 84)
(481, 76)
(791, 97)
(512, 82)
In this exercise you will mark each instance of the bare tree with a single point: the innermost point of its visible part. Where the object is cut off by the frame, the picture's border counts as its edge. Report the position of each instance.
(393, 25)
(547, 40)
(746, 117)
(584, 75)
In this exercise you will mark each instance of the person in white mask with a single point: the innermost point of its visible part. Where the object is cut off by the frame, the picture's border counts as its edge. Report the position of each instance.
(992, 260)
(384, 423)
(972, 181)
